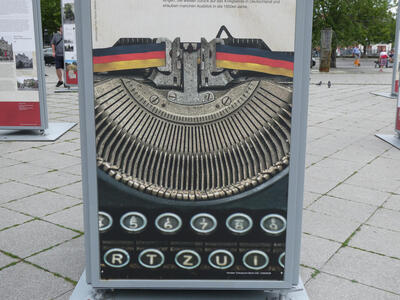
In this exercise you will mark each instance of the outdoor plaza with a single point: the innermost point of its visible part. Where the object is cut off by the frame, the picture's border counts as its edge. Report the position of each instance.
(351, 220)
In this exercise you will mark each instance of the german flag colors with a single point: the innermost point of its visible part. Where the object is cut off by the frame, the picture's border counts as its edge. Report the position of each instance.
(257, 60)
(128, 57)
(228, 57)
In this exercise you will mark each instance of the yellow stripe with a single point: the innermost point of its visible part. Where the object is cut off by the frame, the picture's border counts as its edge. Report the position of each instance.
(254, 67)
(127, 65)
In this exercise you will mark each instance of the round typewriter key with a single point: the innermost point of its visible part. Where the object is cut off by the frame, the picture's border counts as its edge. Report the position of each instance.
(255, 260)
(116, 258)
(203, 223)
(239, 223)
(281, 260)
(151, 258)
(273, 224)
(133, 222)
(105, 221)
(221, 259)
(188, 259)
(168, 223)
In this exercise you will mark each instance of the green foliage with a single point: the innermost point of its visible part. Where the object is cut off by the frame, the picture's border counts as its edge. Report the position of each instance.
(51, 15)
(355, 21)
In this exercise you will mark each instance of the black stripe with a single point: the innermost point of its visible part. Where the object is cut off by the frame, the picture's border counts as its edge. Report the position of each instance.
(286, 56)
(128, 49)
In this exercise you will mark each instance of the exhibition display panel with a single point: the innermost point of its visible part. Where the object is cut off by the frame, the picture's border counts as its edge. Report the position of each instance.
(193, 122)
(22, 86)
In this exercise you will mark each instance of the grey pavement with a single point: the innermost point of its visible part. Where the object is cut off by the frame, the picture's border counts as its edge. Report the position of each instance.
(351, 222)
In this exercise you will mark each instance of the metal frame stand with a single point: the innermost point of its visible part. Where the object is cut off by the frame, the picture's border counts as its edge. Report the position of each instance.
(51, 134)
(385, 94)
(393, 139)
(87, 292)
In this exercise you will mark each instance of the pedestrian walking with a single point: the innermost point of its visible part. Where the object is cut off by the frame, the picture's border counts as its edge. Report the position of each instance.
(57, 44)
(357, 55)
(383, 60)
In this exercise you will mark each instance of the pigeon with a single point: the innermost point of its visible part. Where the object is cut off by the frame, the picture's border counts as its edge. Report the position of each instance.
(329, 84)
(319, 83)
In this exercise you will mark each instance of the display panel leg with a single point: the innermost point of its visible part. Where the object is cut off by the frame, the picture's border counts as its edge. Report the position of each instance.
(385, 94)
(393, 139)
(87, 292)
(51, 134)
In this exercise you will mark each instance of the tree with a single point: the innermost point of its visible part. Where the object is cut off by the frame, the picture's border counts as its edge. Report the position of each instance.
(375, 23)
(51, 16)
(333, 14)
(354, 21)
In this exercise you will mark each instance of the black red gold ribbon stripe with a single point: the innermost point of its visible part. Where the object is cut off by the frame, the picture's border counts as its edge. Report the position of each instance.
(228, 57)
(128, 57)
(257, 60)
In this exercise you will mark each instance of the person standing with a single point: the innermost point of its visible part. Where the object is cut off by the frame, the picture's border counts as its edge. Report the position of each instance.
(356, 54)
(383, 60)
(57, 44)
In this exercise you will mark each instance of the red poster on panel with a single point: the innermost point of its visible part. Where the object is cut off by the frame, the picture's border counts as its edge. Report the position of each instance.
(20, 114)
(71, 77)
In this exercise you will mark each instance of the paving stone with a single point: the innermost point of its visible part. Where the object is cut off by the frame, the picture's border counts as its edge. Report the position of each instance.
(339, 165)
(16, 190)
(8, 147)
(9, 218)
(312, 159)
(73, 263)
(73, 190)
(381, 168)
(309, 198)
(305, 274)
(42, 204)
(32, 237)
(6, 162)
(65, 296)
(338, 175)
(373, 182)
(71, 218)
(62, 147)
(24, 281)
(386, 218)
(58, 161)
(76, 153)
(5, 260)
(392, 153)
(343, 208)
(376, 240)
(29, 155)
(51, 180)
(328, 227)
(327, 287)
(355, 153)
(22, 170)
(393, 202)
(359, 194)
(74, 170)
(319, 185)
(316, 251)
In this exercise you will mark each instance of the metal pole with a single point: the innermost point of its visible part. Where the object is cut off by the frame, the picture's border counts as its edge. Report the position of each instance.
(396, 54)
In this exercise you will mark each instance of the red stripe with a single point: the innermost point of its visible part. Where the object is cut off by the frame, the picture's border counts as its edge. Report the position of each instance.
(127, 57)
(20, 114)
(255, 60)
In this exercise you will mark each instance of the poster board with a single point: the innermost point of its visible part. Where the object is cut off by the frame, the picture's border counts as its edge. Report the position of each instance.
(22, 88)
(70, 52)
(149, 62)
